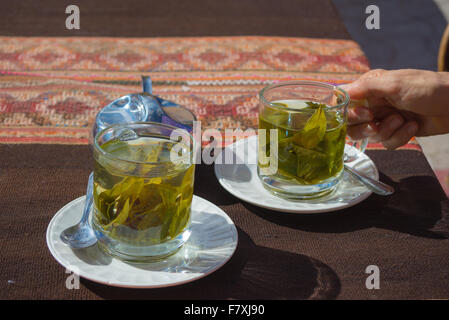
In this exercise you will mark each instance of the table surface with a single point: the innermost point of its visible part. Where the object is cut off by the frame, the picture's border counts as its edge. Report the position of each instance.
(153, 18)
(279, 256)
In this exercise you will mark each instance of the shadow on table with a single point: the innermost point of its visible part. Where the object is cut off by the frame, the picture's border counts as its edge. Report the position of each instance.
(412, 209)
(253, 272)
(208, 187)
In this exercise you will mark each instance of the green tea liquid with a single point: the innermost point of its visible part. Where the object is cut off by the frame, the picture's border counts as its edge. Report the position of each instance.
(143, 204)
(310, 142)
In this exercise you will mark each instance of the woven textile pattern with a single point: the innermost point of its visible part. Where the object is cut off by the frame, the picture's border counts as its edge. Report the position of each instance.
(52, 88)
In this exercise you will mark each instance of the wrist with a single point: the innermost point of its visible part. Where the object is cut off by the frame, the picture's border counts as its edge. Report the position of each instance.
(441, 95)
(433, 126)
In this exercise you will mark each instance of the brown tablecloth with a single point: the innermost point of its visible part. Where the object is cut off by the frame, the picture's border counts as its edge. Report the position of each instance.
(168, 18)
(279, 256)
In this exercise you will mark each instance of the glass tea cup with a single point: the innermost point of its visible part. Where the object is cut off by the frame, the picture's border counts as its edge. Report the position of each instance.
(302, 138)
(142, 198)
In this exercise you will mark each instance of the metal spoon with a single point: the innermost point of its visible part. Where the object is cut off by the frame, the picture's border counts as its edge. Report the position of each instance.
(81, 235)
(374, 185)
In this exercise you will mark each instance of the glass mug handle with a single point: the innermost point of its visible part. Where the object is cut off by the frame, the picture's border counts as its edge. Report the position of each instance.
(360, 145)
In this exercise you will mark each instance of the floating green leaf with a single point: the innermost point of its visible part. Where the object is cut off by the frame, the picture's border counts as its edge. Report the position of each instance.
(309, 163)
(313, 131)
(121, 217)
(315, 105)
(287, 160)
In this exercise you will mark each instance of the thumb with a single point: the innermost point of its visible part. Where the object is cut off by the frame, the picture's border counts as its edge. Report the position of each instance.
(375, 83)
(355, 90)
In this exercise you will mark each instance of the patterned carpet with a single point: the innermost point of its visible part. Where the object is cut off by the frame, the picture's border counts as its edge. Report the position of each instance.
(52, 88)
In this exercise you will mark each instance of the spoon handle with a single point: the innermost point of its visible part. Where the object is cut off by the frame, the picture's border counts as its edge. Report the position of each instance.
(88, 203)
(374, 185)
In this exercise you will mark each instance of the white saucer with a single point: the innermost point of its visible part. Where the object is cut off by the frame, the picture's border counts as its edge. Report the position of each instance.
(241, 180)
(211, 244)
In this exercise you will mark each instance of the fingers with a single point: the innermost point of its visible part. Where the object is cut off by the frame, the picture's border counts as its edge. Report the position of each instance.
(402, 135)
(387, 127)
(387, 119)
(393, 131)
(362, 122)
(359, 115)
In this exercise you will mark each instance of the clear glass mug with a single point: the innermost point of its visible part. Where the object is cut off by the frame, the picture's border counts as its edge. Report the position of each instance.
(302, 138)
(142, 199)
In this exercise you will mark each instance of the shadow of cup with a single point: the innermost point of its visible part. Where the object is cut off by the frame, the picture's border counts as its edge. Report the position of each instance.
(93, 256)
(254, 272)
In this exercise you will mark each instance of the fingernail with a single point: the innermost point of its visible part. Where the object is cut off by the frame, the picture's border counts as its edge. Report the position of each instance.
(369, 131)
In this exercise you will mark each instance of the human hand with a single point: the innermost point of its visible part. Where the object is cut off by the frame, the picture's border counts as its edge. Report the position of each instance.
(401, 104)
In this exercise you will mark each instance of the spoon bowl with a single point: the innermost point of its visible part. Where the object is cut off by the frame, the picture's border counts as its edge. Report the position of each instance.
(81, 235)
